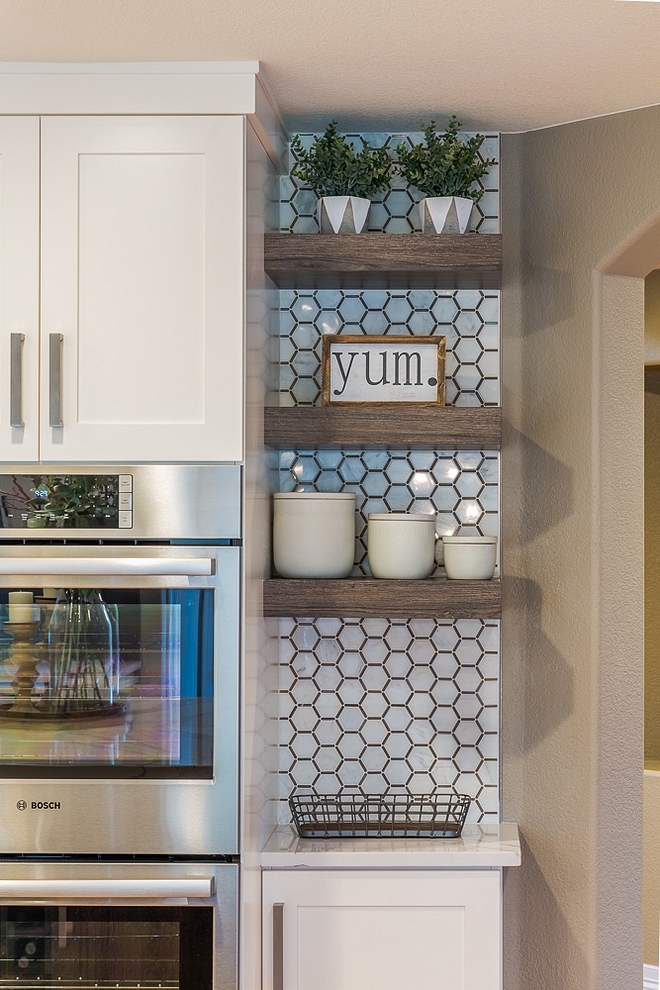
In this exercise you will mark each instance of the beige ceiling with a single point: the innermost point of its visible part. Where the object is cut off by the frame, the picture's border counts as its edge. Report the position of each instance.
(500, 64)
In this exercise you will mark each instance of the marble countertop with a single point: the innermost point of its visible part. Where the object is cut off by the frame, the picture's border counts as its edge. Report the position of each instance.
(489, 845)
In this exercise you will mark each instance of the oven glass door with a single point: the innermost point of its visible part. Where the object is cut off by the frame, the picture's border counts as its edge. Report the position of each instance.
(117, 662)
(119, 698)
(87, 947)
(108, 682)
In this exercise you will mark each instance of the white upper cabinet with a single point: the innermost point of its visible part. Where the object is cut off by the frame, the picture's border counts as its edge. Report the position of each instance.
(137, 353)
(141, 289)
(19, 288)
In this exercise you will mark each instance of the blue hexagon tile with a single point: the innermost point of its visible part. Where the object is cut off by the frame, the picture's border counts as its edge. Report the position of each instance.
(461, 487)
(381, 704)
(469, 319)
(395, 212)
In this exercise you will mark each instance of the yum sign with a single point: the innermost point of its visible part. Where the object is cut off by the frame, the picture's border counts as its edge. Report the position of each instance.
(383, 370)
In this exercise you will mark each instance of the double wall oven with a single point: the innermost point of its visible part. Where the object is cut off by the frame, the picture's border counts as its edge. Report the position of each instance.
(119, 700)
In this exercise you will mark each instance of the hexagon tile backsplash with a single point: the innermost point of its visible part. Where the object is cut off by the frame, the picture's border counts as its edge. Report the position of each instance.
(383, 704)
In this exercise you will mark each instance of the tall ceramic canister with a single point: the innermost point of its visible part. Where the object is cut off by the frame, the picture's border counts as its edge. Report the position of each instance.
(313, 534)
(401, 545)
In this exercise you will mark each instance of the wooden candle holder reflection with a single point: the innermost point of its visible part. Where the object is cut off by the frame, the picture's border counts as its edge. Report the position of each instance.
(23, 655)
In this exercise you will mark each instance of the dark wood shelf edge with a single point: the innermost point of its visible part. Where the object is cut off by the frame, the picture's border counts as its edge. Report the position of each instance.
(368, 598)
(442, 261)
(394, 427)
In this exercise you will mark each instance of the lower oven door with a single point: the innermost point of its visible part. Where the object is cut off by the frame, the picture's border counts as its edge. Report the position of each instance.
(123, 926)
(119, 699)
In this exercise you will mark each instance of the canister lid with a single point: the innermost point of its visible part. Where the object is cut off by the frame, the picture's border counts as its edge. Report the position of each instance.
(412, 517)
(469, 539)
(342, 496)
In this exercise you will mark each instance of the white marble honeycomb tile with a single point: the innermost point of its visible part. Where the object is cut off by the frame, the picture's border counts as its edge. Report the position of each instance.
(406, 705)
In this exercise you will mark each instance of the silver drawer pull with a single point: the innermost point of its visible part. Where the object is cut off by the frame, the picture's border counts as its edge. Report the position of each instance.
(278, 947)
(16, 381)
(55, 341)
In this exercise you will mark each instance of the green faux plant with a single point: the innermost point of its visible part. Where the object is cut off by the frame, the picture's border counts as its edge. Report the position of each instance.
(333, 168)
(445, 165)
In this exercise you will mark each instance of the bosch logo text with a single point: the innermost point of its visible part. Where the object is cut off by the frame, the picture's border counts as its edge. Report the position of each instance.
(38, 805)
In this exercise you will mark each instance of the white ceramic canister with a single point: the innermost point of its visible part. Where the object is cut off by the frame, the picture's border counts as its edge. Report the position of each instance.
(470, 558)
(401, 544)
(313, 534)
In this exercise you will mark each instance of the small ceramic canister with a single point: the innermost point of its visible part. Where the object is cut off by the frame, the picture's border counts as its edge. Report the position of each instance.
(401, 545)
(470, 558)
(313, 534)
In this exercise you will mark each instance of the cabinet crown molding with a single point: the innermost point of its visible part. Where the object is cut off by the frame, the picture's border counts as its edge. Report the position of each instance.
(226, 88)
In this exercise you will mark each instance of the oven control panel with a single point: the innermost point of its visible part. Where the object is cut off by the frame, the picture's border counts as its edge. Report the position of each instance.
(126, 502)
(66, 501)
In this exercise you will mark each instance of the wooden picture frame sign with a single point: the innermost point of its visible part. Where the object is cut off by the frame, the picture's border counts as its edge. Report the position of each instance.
(383, 371)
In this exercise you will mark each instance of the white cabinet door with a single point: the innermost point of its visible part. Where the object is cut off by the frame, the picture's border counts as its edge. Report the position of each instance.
(19, 288)
(382, 930)
(142, 289)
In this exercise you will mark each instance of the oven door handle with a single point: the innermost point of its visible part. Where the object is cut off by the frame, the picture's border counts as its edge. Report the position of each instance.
(62, 566)
(61, 890)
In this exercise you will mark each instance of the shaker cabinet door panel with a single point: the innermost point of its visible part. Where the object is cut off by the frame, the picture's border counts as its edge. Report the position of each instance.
(142, 288)
(376, 930)
(19, 289)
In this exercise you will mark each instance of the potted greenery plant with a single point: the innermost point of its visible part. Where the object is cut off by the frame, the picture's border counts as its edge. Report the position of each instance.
(444, 168)
(342, 178)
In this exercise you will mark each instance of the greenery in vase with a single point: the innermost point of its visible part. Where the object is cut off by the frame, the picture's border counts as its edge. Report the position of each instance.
(445, 164)
(333, 168)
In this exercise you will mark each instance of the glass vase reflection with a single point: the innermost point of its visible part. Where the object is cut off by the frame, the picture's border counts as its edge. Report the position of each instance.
(83, 654)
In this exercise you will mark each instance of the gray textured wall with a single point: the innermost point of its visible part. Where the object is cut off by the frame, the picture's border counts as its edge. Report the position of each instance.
(580, 206)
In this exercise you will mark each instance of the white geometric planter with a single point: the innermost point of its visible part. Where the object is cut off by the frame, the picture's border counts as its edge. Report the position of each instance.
(445, 214)
(342, 214)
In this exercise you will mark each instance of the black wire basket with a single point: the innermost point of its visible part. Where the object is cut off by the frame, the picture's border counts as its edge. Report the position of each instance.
(429, 816)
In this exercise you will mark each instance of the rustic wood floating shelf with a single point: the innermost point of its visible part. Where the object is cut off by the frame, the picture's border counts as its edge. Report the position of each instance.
(384, 261)
(394, 427)
(367, 598)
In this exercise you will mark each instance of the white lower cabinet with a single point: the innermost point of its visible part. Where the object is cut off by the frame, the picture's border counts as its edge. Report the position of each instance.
(381, 929)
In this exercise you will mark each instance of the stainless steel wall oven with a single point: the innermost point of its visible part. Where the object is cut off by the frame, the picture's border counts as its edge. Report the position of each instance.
(134, 926)
(119, 659)
(119, 684)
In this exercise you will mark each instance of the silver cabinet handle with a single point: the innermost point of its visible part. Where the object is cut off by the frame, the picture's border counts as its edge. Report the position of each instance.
(278, 947)
(55, 380)
(16, 381)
